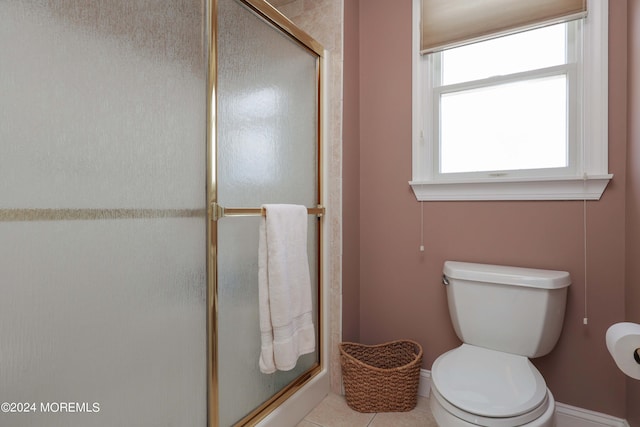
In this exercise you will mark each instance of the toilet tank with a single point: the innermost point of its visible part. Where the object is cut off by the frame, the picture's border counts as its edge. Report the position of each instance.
(510, 309)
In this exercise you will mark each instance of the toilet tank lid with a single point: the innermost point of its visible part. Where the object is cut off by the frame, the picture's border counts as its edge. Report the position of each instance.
(517, 276)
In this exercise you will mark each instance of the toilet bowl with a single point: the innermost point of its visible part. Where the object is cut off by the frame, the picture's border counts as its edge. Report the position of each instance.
(489, 388)
(503, 316)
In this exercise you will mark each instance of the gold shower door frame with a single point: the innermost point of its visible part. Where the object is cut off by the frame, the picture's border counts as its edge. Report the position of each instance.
(280, 22)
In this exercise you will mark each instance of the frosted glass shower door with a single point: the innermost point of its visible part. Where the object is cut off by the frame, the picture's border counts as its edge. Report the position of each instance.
(267, 152)
(102, 213)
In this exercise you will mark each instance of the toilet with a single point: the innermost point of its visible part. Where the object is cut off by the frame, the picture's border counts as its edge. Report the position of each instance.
(504, 316)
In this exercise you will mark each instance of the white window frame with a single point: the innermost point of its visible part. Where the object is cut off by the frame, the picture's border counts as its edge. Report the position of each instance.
(586, 181)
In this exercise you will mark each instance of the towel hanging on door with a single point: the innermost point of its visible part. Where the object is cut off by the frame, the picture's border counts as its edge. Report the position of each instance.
(284, 288)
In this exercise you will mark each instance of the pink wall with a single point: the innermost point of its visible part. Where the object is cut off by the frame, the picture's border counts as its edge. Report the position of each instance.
(400, 294)
(633, 195)
(350, 183)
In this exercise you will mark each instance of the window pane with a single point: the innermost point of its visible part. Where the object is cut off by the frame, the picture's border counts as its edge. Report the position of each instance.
(512, 126)
(529, 50)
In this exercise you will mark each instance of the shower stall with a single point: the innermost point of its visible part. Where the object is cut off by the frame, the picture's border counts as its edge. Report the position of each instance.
(138, 141)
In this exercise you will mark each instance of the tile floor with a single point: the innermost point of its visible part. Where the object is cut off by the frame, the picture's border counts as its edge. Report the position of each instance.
(334, 412)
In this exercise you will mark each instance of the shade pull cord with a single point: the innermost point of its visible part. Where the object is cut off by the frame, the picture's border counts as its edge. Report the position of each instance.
(421, 226)
(585, 320)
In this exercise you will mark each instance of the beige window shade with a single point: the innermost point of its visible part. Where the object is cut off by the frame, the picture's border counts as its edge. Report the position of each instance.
(449, 23)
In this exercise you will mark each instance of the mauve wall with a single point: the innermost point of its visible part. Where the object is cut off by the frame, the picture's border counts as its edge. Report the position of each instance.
(351, 174)
(401, 295)
(633, 196)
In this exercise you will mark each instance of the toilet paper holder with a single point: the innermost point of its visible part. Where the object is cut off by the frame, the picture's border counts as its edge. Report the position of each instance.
(623, 340)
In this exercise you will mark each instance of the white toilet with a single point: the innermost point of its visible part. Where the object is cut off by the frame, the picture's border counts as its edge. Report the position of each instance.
(504, 316)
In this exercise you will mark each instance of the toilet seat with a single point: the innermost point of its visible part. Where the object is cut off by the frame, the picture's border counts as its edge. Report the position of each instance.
(446, 415)
(488, 387)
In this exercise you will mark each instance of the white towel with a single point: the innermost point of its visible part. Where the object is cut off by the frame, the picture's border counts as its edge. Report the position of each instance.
(284, 286)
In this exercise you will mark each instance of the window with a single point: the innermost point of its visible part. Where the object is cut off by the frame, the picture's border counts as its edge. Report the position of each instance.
(517, 117)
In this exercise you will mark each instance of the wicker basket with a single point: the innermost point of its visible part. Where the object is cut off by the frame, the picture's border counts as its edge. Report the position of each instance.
(381, 378)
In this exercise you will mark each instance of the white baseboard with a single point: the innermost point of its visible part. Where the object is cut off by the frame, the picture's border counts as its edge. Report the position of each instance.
(566, 415)
(571, 416)
(424, 387)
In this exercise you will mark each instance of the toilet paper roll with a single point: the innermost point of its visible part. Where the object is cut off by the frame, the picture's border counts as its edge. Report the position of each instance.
(623, 342)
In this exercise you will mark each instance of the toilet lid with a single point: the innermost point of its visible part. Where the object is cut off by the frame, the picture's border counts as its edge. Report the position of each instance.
(488, 383)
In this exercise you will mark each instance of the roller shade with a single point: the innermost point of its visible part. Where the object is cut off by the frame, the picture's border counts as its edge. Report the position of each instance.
(449, 23)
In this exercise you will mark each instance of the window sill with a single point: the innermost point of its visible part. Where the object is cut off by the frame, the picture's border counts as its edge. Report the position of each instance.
(503, 189)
